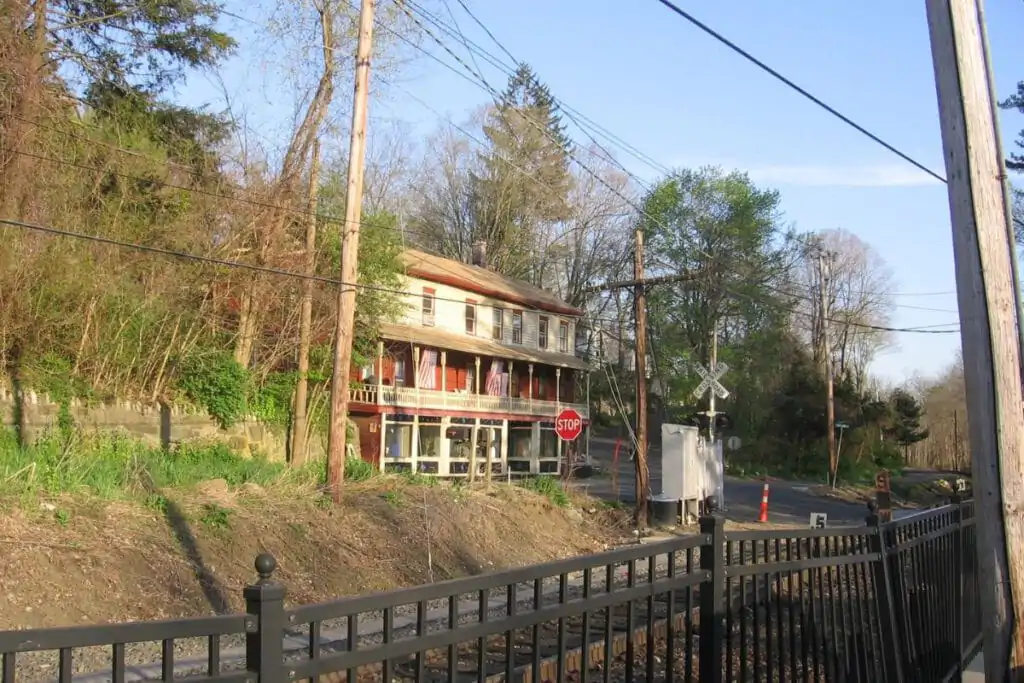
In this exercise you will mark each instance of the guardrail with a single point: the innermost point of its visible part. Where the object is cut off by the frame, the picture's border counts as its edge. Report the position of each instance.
(879, 602)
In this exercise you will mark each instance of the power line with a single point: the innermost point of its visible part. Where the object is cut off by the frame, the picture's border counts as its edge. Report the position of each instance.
(572, 113)
(764, 67)
(214, 261)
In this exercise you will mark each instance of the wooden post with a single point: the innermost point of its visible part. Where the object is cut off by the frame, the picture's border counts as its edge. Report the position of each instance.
(345, 323)
(640, 316)
(984, 251)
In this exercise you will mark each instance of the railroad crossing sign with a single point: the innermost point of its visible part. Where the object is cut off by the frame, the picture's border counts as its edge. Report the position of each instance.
(709, 380)
(568, 425)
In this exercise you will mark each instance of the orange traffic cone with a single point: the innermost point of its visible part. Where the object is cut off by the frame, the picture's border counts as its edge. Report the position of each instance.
(763, 517)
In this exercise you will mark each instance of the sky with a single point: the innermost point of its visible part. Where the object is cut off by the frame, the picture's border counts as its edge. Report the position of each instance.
(683, 99)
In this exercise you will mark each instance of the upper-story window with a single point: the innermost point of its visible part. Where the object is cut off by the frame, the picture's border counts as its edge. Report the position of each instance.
(498, 324)
(399, 372)
(542, 332)
(470, 317)
(517, 327)
(429, 306)
(563, 337)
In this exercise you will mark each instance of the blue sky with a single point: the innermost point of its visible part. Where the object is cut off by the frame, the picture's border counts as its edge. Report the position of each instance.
(682, 98)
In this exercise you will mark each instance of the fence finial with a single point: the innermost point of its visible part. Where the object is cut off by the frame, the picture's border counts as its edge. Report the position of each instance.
(265, 566)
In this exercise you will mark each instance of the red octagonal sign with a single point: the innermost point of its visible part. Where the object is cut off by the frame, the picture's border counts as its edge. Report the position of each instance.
(568, 425)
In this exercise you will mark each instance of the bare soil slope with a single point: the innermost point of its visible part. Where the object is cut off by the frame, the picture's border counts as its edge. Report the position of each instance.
(71, 561)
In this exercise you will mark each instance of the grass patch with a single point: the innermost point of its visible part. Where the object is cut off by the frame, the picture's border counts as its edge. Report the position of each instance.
(112, 467)
(549, 487)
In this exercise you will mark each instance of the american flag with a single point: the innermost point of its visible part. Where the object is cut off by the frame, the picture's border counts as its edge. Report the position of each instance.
(425, 377)
(495, 382)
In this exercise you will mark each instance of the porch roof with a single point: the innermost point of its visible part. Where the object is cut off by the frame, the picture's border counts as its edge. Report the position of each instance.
(442, 339)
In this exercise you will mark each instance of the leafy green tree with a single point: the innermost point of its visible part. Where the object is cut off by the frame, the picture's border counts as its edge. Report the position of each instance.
(719, 234)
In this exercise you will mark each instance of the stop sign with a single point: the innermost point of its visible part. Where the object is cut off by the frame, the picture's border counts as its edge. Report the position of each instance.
(568, 425)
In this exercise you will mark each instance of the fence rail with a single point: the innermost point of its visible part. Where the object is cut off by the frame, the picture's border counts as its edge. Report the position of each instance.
(880, 602)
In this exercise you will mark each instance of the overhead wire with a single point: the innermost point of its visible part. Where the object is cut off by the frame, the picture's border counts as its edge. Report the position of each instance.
(215, 261)
(778, 76)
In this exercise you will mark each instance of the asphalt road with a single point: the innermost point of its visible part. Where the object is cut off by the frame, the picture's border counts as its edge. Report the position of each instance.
(788, 502)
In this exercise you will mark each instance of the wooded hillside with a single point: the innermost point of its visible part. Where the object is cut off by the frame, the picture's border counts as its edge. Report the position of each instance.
(206, 306)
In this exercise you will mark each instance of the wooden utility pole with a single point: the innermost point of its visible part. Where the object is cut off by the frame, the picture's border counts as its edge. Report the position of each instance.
(344, 329)
(301, 423)
(640, 316)
(984, 252)
(825, 278)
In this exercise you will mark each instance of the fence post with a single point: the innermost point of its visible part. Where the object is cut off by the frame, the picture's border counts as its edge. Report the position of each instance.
(887, 615)
(958, 587)
(264, 626)
(712, 598)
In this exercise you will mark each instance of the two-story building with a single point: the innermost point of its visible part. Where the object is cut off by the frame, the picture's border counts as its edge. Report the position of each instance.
(473, 373)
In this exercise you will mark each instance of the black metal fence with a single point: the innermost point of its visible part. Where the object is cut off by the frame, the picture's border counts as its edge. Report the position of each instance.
(880, 602)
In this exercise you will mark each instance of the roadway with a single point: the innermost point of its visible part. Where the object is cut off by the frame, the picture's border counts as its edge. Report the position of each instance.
(788, 502)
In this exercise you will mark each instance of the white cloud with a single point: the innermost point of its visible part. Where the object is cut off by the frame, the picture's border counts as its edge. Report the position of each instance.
(887, 175)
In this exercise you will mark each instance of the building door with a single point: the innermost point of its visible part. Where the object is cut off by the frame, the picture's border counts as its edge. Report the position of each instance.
(369, 438)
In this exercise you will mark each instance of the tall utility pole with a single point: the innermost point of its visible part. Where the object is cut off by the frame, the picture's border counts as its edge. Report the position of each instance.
(344, 331)
(984, 252)
(825, 280)
(640, 315)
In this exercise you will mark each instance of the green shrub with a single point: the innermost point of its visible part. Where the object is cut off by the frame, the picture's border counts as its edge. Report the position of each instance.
(217, 383)
(550, 488)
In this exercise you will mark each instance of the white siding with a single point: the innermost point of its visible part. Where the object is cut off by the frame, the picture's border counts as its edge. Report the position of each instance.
(450, 315)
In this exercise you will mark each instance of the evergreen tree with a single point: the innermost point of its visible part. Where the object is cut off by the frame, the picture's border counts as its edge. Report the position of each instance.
(525, 179)
(906, 419)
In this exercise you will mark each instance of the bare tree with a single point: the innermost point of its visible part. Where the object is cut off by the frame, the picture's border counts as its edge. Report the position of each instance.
(859, 298)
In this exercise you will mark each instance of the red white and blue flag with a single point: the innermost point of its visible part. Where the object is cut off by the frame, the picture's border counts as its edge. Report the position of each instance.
(496, 380)
(426, 377)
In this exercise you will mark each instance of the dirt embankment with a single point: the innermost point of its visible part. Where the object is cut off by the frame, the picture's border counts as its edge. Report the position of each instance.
(70, 561)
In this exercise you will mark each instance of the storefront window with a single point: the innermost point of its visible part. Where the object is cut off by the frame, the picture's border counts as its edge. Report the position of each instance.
(430, 441)
(548, 443)
(398, 441)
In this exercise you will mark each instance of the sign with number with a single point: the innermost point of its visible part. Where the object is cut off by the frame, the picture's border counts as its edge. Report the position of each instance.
(568, 425)
(819, 520)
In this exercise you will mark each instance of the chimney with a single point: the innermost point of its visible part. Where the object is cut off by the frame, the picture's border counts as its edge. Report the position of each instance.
(480, 254)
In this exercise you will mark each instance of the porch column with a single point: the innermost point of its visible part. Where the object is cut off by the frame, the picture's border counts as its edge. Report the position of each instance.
(511, 371)
(380, 372)
(414, 450)
(444, 371)
(444, 452)
(506, 436)
(472, 445)
(383, 441)
(476, 381)
(529, 394)
(416, 372)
